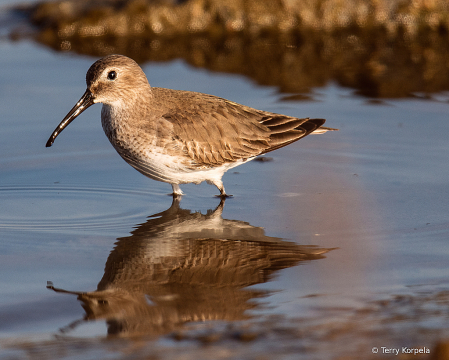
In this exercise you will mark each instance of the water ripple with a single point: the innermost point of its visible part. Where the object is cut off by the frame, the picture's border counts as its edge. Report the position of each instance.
(70, 207)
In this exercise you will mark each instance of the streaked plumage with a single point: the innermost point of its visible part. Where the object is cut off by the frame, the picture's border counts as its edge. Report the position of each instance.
(180, 136)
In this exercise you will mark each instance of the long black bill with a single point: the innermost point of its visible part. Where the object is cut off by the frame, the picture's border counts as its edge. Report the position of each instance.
(86, 100)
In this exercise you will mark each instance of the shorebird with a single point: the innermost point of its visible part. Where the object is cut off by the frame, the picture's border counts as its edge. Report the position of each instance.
(178, 136)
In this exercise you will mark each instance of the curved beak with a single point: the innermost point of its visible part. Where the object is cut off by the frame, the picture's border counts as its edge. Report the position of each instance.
(86, 100)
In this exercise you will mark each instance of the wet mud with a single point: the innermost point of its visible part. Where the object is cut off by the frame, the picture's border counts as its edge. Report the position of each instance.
(382, 49)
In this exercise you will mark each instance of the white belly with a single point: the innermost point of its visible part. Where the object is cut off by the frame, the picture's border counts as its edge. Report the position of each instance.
(166, 168)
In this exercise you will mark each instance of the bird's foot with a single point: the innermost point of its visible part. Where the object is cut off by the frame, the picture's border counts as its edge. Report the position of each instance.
(224, 196)
(177, 192)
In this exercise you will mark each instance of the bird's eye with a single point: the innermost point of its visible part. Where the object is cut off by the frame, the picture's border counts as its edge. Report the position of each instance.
(112, 75)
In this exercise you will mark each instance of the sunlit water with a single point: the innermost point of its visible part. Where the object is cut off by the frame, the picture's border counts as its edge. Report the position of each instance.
(371, 199)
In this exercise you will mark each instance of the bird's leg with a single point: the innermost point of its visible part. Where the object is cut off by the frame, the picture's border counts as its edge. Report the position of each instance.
(176, 190)
(219, 185)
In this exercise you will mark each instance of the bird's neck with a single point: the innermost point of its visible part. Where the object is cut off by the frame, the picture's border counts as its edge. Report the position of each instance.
(123, 117)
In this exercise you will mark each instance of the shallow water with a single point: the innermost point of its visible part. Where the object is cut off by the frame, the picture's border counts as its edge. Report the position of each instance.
(333, 231)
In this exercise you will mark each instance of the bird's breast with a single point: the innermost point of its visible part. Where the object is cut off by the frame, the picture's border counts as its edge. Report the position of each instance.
(114, 123)
(142, 147)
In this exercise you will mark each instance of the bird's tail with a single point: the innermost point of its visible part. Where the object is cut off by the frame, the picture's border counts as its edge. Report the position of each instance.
(322, 130)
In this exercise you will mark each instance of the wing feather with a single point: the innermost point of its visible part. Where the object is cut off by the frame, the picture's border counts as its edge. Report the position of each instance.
(213, 131)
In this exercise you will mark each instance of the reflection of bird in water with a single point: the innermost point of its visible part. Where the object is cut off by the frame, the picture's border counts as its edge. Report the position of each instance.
(182, 266)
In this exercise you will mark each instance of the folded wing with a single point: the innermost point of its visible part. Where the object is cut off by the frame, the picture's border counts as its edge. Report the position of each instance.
(213, 133)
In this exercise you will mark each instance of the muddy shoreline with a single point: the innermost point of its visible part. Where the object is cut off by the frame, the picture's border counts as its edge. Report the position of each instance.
(381, 56)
